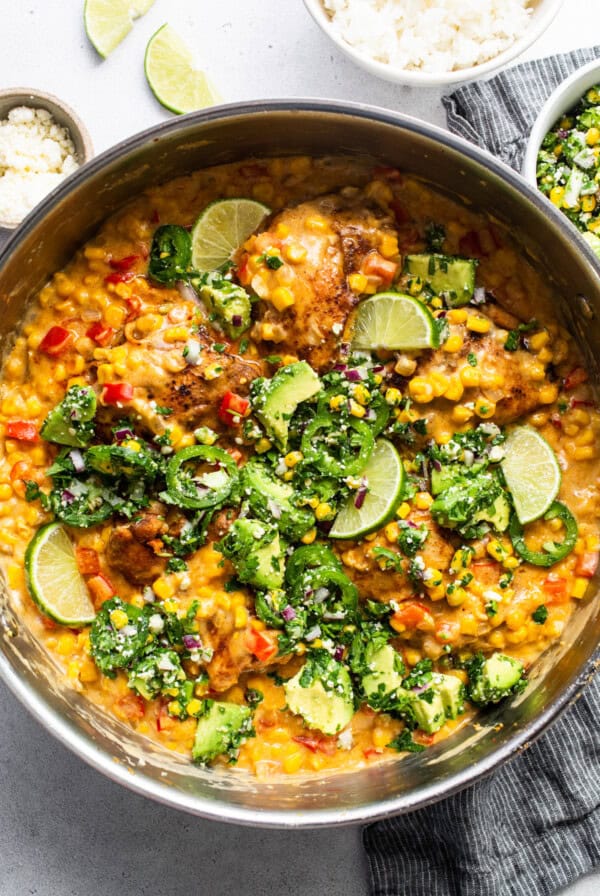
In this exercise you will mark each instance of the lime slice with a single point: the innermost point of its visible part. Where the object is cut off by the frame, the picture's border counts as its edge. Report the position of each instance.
(139, 8)
(531, 472)
(170, 72)
(107, 22)
(384, 475)
(391, 320)
(53, 579)
(222, 228)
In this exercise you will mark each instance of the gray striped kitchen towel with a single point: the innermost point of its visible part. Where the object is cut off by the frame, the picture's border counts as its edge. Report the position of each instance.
(534, 825)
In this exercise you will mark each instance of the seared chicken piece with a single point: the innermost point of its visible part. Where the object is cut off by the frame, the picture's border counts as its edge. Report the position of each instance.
(232, 655)
(131, 552)
(307, 301)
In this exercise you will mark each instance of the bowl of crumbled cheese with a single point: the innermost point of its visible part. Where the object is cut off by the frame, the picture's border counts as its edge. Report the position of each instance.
(426, 43)
(42, 141)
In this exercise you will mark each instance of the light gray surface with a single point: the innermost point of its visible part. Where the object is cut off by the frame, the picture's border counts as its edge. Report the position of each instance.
(65, 830)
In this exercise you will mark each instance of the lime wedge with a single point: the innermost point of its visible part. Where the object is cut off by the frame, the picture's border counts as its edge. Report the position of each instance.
(139, 8)
(531, 472)
(384, 475)
(170, 72)
(107, 22)
(391, 320)
(53, 579)
(222, 228)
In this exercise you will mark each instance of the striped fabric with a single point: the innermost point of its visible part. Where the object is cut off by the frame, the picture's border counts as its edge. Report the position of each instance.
(498, 114)
(534, 825)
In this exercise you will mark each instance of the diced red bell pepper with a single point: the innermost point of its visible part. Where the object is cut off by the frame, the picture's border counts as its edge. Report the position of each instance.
(120, 277)
(20, 470)
(22, 430)
(421, 737)
(587, 564)
(132, 706)
(575, 378)
(555, 585)
(88, 561)
(233, 408)
(580, 403)
(55, 341)
(164, 722)
(372, 751)
(243, 274)
(101, 588)
(100, 334)
(123, 264)
(410, 614)
(117, 393)
(311, 743)
(375, 265)
(134, 304)
(262, 645)
(447, 632)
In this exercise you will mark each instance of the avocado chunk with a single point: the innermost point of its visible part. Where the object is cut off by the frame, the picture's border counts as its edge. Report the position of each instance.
(256, 552)
(221, 730)
(270, 500)
(452, 692)
(275, 400)
(447, 276)
(428, 709)
(493, 679)
(384, 676)
(321, 692)
(227, 301)
(71, 421)
(498, 515)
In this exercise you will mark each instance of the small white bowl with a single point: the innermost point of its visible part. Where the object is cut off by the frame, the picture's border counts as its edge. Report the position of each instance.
(560, 101)
(543, 13)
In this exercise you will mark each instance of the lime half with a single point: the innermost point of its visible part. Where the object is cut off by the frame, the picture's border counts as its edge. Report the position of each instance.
(384, 479)
(222, 228)
(391, 320)
(107, 22)
(53, 579)
(170, 72)
(531, 472)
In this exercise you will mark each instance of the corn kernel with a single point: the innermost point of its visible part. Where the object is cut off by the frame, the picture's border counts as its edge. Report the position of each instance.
(114, 316)
(420, 390)
(584, 452)
(380, 737)
(317, 223)
(496, 550)
(592, 137)
(457, 597)
(241, 617)
(361, 394)
(457, 316)
(212, 371)
(403, 511)
(393, 396)
(119, 618)
(592, 543)
(336, 402)
(294, 253)
(194, 706)
(262, 446)
(539, 340)
(439, 382)
(293, 763)
(461, 413)
(548, 393)
(423, 500)
(176, 334)
(415, 286)
(293, 458)
(405, 366)
(391, 532)
(470, 377)
(324, 511)
(105, 373)
(579, 588)
(356, 409)
(282, 298)
(510, 563)
(163, 588)
(468, 625)
(455, 390)
(358, 283)
(557, 195)
(88, 671)
(310, 536)
(388, 245)
(453, 343)
(66, 643)
(478, 324)
(174, 708)
(5, 491)
(485, 408)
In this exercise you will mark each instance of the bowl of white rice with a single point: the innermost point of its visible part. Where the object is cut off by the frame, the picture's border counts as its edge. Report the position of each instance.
(432, 42)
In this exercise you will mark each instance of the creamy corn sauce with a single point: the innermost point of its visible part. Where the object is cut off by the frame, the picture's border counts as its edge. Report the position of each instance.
(127, 329)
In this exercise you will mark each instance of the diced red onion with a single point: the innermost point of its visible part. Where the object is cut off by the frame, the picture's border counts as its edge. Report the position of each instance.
(288, 613)
(345, 349)
(340, 367)
(420, 688)
(370, 415)
(191, 643)
(237, 320)
(313, 634)
(411, 524)
(478, 296)
(378, 368)
(354, 375)
(122, 434)
(77, 460)
(361, 494)
(338, 653)
(67, 497)
(436, 465)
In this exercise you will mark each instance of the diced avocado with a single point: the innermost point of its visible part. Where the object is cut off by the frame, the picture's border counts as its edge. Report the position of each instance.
(321, 692)
(452, 692)
(275, 400)
(385, 673)
(270, 500)
(492, 679)
(229, 302)
(71, 421)
(428, 709)
(447, 276)
(498, 514)
(221, 730)
(256, 552)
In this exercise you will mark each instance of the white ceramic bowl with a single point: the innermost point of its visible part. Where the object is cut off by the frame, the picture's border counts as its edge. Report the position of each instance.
(560, 101)
(544, 12)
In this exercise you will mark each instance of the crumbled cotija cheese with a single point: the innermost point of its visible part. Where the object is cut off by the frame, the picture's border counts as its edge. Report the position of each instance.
(35, 155)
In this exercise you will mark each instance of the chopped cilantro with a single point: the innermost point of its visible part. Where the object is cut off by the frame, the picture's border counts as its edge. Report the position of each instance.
(219, 347)
(540, 615)
(435, 235)
(163, 411)
(472, 359)
(404, 743)
(491, 608)
(411, 538)
(176, 564)
(243, 346)
(389, 558)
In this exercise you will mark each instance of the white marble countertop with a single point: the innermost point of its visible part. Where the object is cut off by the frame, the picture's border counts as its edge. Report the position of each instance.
(64, 829)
